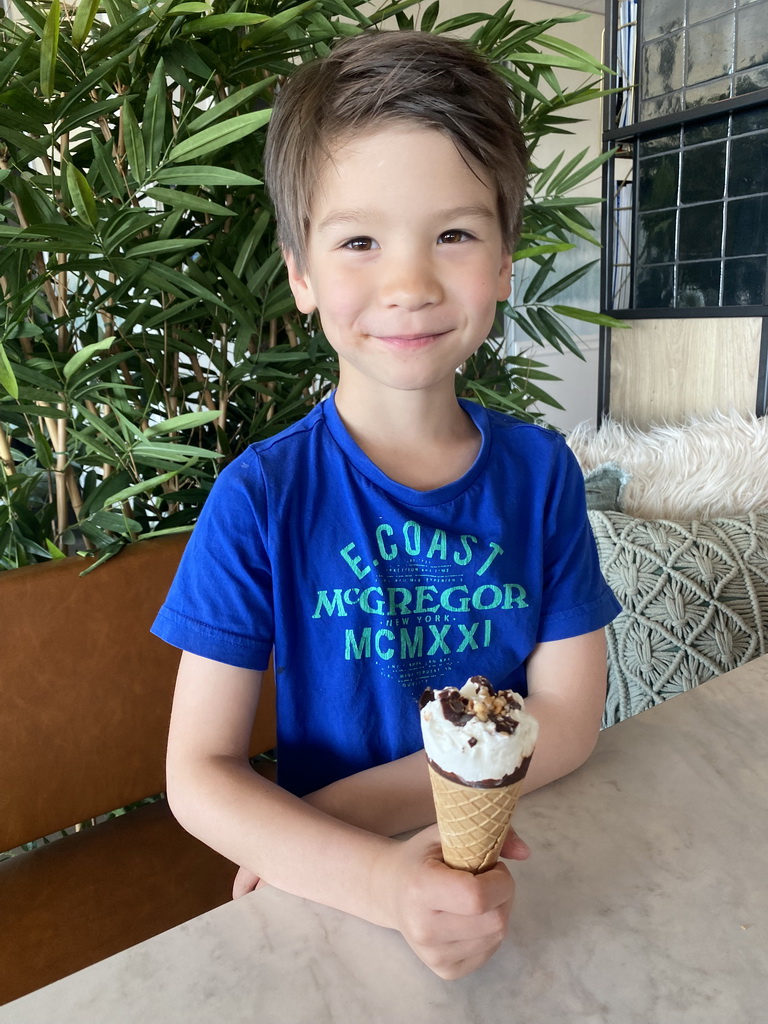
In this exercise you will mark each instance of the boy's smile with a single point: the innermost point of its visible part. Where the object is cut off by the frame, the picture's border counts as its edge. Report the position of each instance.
(405, 261)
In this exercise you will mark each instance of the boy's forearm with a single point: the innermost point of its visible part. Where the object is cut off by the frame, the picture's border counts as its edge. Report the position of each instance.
(387, 800)
(566, 681)
(559, 749)
(282, 839)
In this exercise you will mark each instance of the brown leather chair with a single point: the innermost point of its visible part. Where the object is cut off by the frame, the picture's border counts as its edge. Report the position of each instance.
(85, 699)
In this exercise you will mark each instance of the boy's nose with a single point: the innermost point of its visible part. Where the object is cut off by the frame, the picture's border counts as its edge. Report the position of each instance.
(410, 282)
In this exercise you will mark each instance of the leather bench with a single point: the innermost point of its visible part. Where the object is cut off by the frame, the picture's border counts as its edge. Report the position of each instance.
(85, 699)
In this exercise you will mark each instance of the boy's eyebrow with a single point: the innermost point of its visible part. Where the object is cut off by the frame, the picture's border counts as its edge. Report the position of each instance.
(356, 216)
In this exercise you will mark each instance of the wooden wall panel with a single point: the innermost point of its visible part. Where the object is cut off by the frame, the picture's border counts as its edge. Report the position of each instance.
(663, 370)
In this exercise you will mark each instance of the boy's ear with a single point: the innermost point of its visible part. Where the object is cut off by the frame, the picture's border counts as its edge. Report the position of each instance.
(300, 284)
(505, 278)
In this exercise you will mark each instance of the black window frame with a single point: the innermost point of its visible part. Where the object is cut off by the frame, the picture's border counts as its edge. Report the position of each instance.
(631, 135)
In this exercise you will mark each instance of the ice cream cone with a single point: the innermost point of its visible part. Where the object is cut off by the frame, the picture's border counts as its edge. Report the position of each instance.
(473, 821)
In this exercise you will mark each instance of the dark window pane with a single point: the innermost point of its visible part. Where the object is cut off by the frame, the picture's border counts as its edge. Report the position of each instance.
(703, 9)
(660, 17)
(750, 120)
(708, 131)
(744, 282)
(749, 165)
(751, 81)
(659, 144)
(703, 174)
(658, 182)
(709, 92)
(752, 35)
(662, 66)
(701, 230)
(656, 237)
(698, 284)
(654, 286)
(746, 226)
(710, 50)
(661, 106)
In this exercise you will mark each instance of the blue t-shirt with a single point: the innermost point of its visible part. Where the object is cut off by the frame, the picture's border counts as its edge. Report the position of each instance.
(369, 591)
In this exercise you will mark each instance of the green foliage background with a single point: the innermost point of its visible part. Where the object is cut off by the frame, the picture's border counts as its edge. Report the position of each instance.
(148, 332)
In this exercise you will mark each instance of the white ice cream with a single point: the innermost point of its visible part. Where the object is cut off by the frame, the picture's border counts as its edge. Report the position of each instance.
(490, 744)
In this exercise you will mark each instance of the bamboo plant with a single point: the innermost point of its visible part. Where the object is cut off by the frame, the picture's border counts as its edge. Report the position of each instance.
(148, 330)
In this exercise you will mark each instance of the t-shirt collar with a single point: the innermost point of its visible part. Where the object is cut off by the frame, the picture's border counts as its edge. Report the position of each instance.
(408, 495)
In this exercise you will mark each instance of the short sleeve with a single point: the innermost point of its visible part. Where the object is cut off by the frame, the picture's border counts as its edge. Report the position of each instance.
(576, 598)
(220, 604)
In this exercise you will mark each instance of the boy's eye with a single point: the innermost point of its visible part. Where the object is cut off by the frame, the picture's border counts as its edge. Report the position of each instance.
(361, 244)
(453, 236)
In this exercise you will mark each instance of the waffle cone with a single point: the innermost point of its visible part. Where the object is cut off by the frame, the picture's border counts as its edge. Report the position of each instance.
(473, 822)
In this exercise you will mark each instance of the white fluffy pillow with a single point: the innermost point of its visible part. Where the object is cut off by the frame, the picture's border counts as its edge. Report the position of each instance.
(705, 468)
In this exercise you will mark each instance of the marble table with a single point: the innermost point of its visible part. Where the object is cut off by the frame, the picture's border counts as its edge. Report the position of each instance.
(645, 902)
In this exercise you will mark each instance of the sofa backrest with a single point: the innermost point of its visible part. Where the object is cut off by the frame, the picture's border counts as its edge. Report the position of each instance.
(86, 689)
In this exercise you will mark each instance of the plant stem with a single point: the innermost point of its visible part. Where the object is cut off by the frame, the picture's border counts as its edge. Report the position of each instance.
(6, 456)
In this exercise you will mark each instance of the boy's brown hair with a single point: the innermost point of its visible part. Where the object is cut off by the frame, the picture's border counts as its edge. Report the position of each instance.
(382, 78)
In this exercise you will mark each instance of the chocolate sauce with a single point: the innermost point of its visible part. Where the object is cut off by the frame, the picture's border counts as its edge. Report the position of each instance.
(508, 780)
(455, 708)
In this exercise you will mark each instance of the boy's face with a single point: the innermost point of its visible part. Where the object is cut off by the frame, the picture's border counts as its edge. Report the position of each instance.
(405, 261)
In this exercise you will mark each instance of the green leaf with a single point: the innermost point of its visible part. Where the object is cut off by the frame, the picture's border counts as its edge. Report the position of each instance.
(217, 21)
(547, 60)
(210, 140)
(538, 279)
(179, 284)
(188, 201)
(105, 165)
(150, 484)
(81, 195)
(188, 421)
(225, 107)
(84, 19)
(544, 175)
(270, 27)
(204, 174)
(541, 250)
(601, 319)
(390, 11)
(566, 281)
(153, 120)
(49, 49)
(590, 63)
(584, 172)
(53, 550)
(88, 352)
(192, 7)
(429, 17)
(164, 247)
(134, 142)
(248, 247)
(7, 376)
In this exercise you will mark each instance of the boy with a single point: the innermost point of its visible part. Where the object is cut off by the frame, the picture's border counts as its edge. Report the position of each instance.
(395, 538)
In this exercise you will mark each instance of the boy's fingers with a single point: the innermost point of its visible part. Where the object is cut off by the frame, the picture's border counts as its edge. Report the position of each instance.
(465, 894)
(514, 847)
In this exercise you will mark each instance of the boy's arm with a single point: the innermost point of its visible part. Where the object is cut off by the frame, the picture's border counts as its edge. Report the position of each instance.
(454, 921)
(566, 693)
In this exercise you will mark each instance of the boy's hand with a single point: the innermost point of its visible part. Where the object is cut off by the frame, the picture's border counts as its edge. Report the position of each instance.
(245, 881)
(454, 921)
(515, 848)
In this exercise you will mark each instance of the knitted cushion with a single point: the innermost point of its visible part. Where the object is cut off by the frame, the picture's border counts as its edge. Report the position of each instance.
(695, 603)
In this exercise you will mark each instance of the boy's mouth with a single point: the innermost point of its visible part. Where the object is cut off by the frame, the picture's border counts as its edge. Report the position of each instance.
(410, 340)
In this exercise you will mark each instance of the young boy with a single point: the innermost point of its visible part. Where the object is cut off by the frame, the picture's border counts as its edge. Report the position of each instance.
(394, 538)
